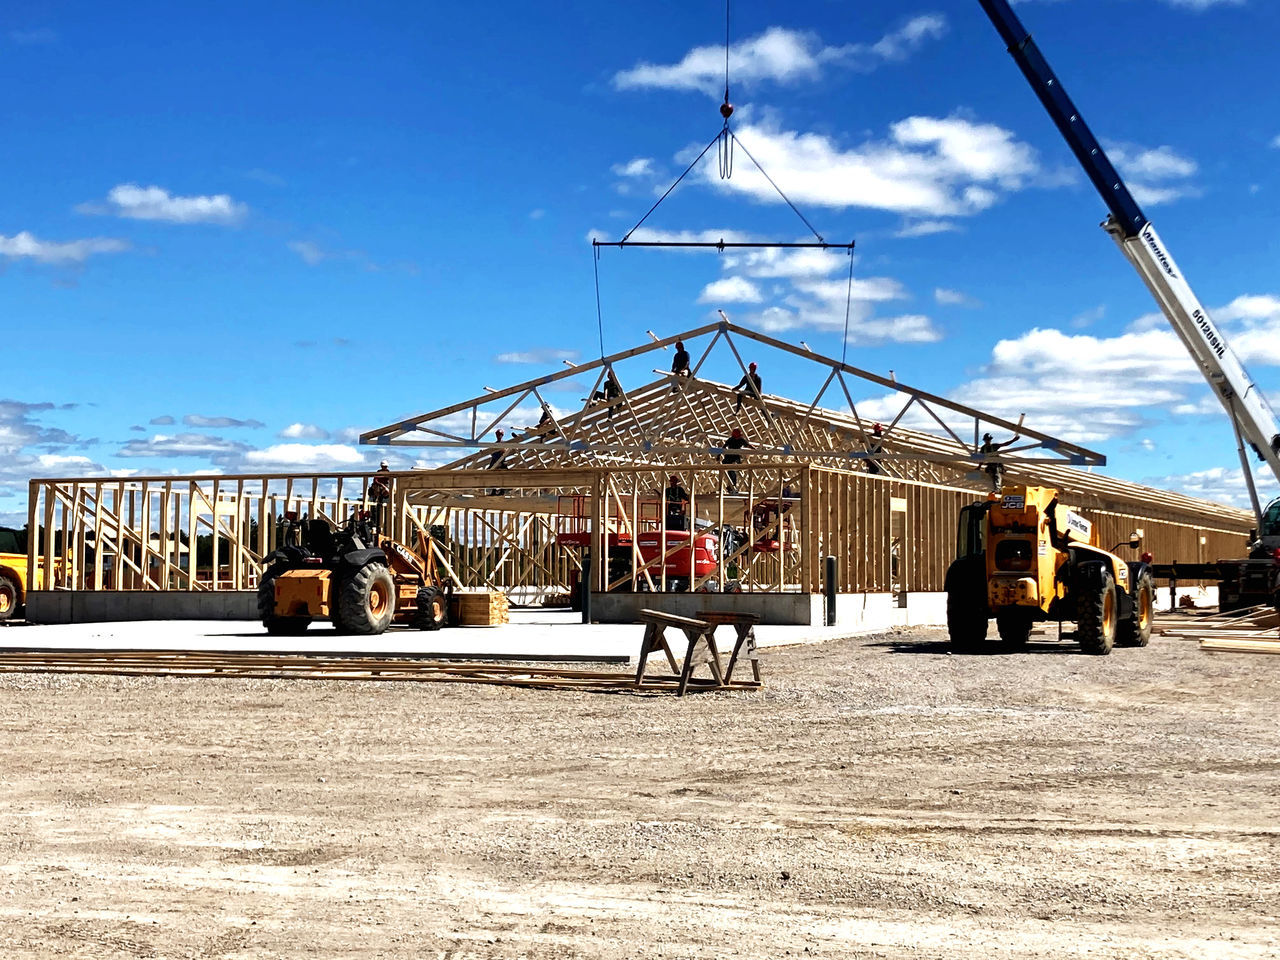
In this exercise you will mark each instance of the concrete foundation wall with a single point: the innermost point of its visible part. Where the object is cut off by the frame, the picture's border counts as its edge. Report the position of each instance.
(93, 606)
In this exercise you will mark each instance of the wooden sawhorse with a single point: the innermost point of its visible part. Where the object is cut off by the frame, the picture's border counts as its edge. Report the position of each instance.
(702, 648)
(744, 646)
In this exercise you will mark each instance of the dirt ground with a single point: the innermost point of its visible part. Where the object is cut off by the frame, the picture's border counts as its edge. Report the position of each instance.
(880, 798)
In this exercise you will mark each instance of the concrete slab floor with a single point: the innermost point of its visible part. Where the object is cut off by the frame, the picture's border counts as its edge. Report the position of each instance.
(532, 634)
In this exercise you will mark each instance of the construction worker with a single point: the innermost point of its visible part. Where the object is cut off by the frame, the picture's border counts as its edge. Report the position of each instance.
(735, 441)
(749, 384)
(611, 392)
(995, 470)
(497, 460)
(875, 447)
(380, 494)
(680, 362)
(677, 504)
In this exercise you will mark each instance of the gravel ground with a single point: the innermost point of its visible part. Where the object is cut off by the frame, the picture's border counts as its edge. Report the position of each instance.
(879, 799)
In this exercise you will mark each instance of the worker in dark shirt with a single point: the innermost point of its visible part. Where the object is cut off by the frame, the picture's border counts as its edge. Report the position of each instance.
(748, 385)
(680, 362)
(677, 504)
(995, 470)
(497, 461)
(735, 441)
(680, 365)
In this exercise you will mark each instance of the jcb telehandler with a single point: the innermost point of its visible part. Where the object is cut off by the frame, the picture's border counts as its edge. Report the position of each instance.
(1022, 557)
(353, 576)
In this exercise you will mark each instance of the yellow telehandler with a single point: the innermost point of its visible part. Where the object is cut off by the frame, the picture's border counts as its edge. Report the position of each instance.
(1023, 557)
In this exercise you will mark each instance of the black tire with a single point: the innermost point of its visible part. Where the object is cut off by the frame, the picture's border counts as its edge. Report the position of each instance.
(277, 626)
(966, 622)
(1098, 614)
(433, 609)
(9, 597)
(367, 600)
(1135, 629)
(1014, 627)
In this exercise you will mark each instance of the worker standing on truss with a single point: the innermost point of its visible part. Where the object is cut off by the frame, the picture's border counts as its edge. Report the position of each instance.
(995, 470)
(677, 504)
(749, 384)
(735, 441)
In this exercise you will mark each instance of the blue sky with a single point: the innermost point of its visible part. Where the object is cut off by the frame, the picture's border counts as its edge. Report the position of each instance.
(231, 238)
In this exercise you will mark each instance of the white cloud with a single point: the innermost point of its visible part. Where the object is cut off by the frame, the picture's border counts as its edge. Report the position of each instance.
(181, 445)
(954, 298)
(155, 203)
(781, 56)
(304, 456)
(925, 228)
(771, 262)
(1219, 484)
(303, 431)
(198, 420)
(1276, 142)
(866, 289)
(310, 252)
(929, 167)
(639, 167)
(1154, 175)
(546, 355)
(26, 246)
(731, 290)
(1199, 5)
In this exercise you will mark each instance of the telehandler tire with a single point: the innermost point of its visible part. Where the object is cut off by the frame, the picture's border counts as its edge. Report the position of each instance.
(277, 626)
(1014, 627)
(9, 594)
(1099, 621)
(367, 600)
(433, 609)
(966, 622)
(1135, 629)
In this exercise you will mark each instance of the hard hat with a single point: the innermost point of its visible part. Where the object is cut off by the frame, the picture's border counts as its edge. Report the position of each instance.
(751, 365)
(498, 433)
(384, 466)
(986, 436)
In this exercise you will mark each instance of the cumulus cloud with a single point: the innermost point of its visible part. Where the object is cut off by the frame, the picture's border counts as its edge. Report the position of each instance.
(730, 290)
(305, 456)
(155, 203)
(218, 423)
(303, 431)
(26, 246)
(1219, 484)
(638, 167)
(927, 167)
(780, 56)
(1155, 175)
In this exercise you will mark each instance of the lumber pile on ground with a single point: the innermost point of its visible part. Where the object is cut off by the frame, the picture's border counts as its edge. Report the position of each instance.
(285, 666)
(480, 608)
(1251, 630)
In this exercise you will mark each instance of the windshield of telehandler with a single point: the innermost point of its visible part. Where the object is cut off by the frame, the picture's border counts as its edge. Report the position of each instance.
(970, 534)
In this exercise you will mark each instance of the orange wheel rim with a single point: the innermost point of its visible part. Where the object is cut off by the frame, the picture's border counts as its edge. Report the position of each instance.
(1144, 608)
(377, 599)
(6, 602)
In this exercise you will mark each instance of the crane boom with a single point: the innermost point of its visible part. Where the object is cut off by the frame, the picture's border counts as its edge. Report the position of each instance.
(1252, 417)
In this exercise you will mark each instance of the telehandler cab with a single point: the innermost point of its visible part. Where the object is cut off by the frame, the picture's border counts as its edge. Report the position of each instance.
(353, 576)
(1023, 557)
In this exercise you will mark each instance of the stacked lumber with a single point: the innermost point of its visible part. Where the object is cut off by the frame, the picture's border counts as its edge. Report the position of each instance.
(481, 608)
(280, 666)
(1251, 630)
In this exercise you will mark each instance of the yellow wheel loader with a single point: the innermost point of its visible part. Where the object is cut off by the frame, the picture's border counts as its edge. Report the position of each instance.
(353, 576)
(1023, 557)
